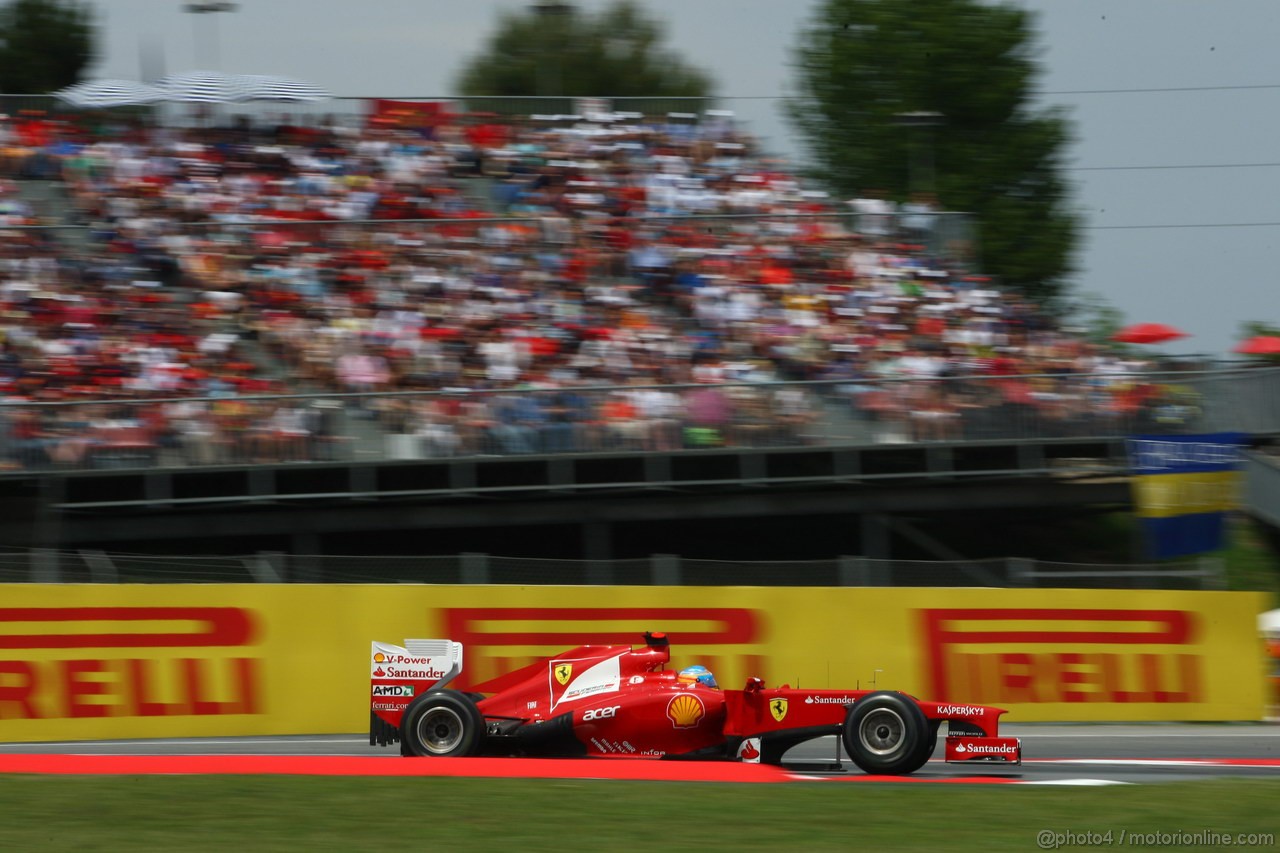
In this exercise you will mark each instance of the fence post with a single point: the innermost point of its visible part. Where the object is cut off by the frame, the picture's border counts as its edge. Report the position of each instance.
(267, 566)
(47, 530)
(1213, 573)
(853, 571)
(101, 567)
(875, 535)
(879, 572)
(304, 561)
(664, 569)
(1021, 571)
(597, 545)
(475, 567)
(45, 566)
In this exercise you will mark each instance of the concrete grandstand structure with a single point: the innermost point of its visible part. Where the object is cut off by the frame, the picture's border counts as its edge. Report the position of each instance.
(319, 336)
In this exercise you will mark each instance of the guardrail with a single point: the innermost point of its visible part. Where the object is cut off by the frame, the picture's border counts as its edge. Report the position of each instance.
(39, 565)
(762, 117)
(127, 433)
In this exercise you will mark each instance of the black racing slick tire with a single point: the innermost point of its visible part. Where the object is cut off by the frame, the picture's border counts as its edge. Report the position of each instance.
(442, 724)
(927, 745)
(887, 733)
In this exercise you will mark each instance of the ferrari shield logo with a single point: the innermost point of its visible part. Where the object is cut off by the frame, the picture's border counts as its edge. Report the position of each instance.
(563, 672)
(778, 707)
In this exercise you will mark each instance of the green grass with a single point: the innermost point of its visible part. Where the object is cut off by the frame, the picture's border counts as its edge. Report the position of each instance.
(255, 813)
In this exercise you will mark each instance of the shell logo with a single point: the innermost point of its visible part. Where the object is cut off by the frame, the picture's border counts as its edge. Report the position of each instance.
(379, 658)
(685, 711)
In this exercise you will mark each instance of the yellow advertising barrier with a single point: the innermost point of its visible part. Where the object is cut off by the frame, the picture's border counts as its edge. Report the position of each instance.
(92, 661)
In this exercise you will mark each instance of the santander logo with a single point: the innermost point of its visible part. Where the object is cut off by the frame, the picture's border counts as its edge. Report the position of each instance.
(986, 749)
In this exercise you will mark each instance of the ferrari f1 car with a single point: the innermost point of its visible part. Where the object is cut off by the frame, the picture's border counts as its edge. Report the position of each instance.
(623, 702)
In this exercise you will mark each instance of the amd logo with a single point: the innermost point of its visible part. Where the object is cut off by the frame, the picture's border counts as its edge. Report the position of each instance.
(392, 690)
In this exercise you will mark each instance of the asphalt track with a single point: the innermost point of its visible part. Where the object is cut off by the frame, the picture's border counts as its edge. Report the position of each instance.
(1054, 754)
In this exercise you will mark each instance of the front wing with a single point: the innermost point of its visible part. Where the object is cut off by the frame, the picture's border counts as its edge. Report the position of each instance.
(763, 723)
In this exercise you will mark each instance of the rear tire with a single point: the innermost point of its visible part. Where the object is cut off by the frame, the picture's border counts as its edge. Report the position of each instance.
(442, 724)
(887, 733)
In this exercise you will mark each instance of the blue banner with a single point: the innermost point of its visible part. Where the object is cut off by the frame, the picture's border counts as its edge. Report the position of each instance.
(1183, 487)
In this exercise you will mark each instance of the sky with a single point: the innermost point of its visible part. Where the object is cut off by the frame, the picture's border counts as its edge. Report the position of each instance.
(1198, 248)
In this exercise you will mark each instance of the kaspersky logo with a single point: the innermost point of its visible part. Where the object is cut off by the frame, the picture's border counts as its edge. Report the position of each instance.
(778, 708)
(563, 671)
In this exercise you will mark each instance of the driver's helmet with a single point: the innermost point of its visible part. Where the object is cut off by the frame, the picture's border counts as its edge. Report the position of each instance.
(700, 674)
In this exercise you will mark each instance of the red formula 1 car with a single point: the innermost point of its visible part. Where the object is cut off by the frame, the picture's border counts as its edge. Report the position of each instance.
(620, 702)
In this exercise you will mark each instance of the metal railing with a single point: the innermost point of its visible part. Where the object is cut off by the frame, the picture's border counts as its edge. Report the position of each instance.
(91, 566)
(763, 117)
(300, 428)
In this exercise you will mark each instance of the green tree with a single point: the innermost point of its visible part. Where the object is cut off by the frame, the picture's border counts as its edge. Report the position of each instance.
(44, 45)
(555, 49)
(870, 70)
(1261, 329)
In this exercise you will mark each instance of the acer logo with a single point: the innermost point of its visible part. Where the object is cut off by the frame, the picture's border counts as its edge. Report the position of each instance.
(600, 713)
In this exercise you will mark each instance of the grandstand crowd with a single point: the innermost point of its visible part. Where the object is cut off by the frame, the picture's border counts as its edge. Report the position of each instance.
(514, 267)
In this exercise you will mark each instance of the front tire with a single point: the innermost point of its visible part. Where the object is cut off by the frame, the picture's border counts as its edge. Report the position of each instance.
(887, 733)
(442, 724)
(927, 745)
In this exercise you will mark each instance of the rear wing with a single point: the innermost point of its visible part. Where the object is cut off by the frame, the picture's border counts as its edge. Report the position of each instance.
(431, 663)
(399, 673)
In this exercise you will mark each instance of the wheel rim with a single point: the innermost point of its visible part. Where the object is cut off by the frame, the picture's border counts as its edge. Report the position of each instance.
(882, 731)
(440, 730)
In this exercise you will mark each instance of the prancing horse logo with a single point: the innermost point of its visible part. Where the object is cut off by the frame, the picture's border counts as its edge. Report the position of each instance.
(563, 671)
(778, 707)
